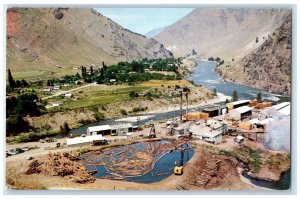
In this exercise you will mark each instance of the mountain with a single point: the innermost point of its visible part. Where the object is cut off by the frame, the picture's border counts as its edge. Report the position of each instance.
(221, 32)
(154, 32)
(269, 66)
(38, 40)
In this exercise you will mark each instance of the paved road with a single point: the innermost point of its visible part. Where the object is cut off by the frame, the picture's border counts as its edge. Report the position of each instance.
(68, 91)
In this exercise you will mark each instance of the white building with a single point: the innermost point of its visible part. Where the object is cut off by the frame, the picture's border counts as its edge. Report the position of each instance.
(98, 130)
(207, 133)
(69, 95)
(277, 111)
(241, 112)
(84, 140)
(121, 129)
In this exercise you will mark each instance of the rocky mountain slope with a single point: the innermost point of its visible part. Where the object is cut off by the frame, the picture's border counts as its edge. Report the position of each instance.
(269, 66)
(221, 32)
(40, 39)
(154, 32)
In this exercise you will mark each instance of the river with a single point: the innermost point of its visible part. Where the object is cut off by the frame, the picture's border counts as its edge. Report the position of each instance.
(204, 74)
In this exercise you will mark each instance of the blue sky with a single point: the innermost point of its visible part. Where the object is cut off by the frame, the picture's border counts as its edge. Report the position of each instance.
(143, 20)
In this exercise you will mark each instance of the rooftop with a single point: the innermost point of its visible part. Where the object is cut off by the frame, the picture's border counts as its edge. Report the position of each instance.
(204, 131)
(281, 105)
(82, 140)
(243, 109)
(98, 128)
(239, 102)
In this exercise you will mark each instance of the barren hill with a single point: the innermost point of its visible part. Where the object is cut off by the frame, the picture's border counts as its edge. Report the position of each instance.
(40, 39)
(221, 32)
(269, 66)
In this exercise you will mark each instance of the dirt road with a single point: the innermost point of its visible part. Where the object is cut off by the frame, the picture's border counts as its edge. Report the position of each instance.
(68, 91)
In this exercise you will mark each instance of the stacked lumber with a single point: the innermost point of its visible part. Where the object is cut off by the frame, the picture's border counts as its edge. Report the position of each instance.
(245, 125)
(253, 103)
(196, 116)
(34, 167)
(264, 105)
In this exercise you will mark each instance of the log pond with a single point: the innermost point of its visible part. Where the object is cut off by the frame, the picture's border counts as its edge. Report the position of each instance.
(143, 162)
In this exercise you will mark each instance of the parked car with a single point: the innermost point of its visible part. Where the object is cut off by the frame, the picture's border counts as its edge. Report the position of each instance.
(42, 141)
(25, 148)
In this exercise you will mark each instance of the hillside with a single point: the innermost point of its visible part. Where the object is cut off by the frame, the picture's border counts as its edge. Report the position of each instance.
(269, 66)
(221, 32)
(42, 42)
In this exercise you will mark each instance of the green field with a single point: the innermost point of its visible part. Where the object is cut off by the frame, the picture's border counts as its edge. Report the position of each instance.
(102, 97)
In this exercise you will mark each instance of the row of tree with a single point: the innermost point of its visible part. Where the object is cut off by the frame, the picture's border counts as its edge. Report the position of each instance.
(15, 84)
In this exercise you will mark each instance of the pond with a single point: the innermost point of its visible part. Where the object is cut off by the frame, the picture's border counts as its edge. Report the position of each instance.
(283, 184)
(144, 162)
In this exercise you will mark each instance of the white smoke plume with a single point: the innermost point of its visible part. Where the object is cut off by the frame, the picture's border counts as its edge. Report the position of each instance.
(277, 136)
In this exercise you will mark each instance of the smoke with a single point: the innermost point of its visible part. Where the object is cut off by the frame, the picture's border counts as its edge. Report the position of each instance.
(277, 136)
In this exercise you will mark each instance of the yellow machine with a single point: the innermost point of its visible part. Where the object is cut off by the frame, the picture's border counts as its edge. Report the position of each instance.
(178, 170)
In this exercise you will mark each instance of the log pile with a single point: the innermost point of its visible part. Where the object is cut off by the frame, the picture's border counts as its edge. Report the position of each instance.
(62, 164)
(34, 168)
(65, 164)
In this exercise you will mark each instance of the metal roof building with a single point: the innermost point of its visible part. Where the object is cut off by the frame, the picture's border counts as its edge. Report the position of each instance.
(241, 112)
(83, 140)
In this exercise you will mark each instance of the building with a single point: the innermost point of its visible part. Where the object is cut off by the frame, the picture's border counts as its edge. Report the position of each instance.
(69, 95)
(116, 129)
(121, 129)
(206, 133)
(240, 113)
(215, 111)
(277, 111)
(77, 141)
(56, 87)
(98, 130)
(237, 104)
(47, 89)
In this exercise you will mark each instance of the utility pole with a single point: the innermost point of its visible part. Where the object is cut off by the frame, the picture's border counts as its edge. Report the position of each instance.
(187, 102)
(180, 105)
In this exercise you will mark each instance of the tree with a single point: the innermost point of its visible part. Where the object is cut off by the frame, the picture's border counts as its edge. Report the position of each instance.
(24, 83)
(215, 91)
(234, 96)
(259, 97)
(256, 40)
(65, 129)
(91, 70)
(226, 101)
(218, 59)
(11, 81)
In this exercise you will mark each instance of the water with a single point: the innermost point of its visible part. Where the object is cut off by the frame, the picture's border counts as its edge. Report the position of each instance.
(163, 166)
(204, 74)
(282, 184)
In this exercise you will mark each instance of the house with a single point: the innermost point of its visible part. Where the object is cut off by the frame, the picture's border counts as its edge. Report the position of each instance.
(47, 89)
(77, 141)
(69, 95)
(182, 128)
(56, 87)
(237, 104)
(241, 112)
